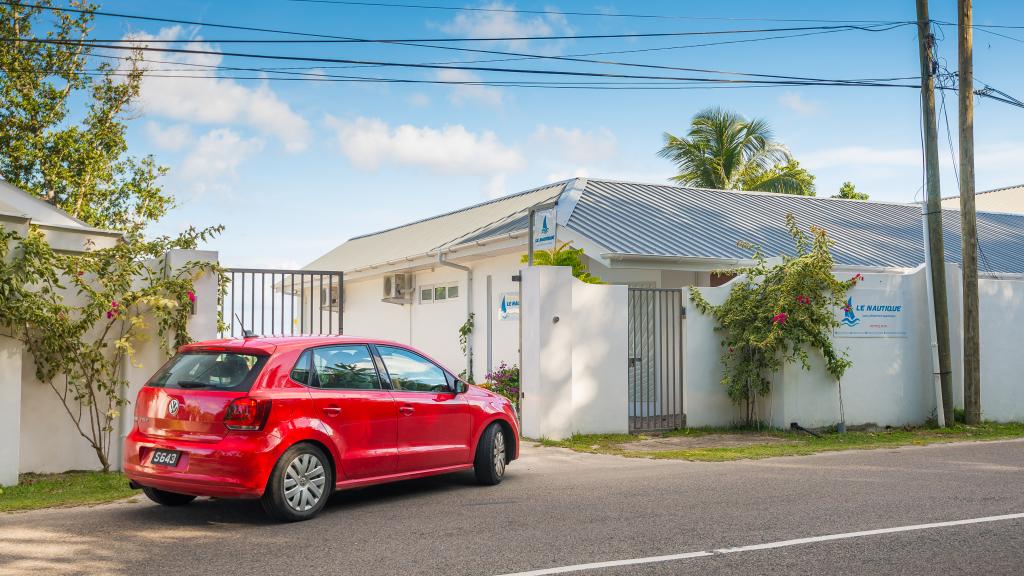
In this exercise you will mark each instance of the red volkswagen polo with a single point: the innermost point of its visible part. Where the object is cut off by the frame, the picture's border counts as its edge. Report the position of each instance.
(288, 420)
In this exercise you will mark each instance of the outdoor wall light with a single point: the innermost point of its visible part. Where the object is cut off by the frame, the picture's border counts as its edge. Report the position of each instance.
(554, 320)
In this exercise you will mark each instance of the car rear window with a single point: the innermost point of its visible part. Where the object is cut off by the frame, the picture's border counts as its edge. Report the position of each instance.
(210, 371)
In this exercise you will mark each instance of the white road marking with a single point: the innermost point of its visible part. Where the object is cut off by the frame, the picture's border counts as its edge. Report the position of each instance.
(766, 546)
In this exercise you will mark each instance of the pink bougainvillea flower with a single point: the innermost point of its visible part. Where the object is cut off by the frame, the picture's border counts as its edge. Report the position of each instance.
(801, 299)
(113, 304)
(110, 314)
(191, 296)
(780, 318)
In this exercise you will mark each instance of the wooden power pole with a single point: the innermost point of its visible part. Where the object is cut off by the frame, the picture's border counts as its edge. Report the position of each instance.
(968, 219)
(933, 209)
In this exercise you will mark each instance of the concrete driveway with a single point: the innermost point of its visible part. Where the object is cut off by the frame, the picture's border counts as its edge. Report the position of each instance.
(562, 509)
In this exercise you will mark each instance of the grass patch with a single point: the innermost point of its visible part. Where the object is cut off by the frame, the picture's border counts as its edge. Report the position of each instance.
(36, 491)
(791, 444)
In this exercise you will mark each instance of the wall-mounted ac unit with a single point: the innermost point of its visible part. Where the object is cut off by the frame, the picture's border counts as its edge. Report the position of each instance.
(398, 288)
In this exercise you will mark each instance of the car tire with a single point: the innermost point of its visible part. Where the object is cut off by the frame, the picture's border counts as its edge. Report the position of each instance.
(491, 456)
(164, 498)
(299, 485)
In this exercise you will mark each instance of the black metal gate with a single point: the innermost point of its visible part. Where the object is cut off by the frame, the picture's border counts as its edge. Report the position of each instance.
(655, 359)
(282, 302)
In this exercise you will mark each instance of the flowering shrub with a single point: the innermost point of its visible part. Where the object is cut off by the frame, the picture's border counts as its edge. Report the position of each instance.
(125, 295)
(505, 381)
(775, 314)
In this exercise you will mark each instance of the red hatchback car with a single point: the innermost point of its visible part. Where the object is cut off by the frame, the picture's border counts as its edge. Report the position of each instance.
(290, 419)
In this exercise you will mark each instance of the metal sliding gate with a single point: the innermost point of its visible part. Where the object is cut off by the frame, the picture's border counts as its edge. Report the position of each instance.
(655, 359)
(282, 302)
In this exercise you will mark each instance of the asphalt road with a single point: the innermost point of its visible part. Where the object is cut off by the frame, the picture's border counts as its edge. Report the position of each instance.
(557, 508)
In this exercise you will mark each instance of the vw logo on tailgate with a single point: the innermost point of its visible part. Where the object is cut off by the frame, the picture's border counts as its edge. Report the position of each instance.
(172, 406)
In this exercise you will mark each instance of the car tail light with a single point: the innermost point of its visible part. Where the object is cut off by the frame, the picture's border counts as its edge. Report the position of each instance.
(247, 413)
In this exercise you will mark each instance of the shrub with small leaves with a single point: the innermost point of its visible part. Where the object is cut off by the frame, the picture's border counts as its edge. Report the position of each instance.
(504, 380)
(774, 314)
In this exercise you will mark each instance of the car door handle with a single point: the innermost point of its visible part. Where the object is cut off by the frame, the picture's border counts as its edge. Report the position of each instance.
(406, 410)
(332, 410)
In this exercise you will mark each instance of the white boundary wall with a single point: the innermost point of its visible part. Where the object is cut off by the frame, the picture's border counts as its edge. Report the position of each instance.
(36, 434)
(890, 382)
(574, 355)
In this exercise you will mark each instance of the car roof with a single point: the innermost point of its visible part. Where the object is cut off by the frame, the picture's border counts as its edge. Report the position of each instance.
(271, 344)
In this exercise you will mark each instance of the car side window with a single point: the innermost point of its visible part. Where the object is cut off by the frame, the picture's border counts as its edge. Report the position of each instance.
(411, 372)
(300, 373)
(347, 367)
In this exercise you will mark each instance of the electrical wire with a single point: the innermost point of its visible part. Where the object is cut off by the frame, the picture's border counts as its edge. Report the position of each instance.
(782, 80)
(562, 13)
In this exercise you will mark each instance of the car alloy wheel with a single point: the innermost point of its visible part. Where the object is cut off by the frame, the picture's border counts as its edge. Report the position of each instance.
(499, 454)
(304, 482)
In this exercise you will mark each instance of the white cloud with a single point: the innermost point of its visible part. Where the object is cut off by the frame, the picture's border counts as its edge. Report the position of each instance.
(496, 186)
(795, 102)
(173, 137)
(418, 99)
(216, 157)
(463, 93)
(510, 24)
(210, 100)
(861, 155)
(576, 145)
(369, 143)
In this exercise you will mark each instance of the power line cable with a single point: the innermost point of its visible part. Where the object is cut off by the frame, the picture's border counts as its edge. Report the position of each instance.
(792, 80)
(564, 13)
(346, 39)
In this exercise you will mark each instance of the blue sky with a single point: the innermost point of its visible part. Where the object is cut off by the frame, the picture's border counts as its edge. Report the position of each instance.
(292, 169)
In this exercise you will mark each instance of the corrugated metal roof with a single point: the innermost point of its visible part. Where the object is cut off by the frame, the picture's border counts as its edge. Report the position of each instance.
(425, 236)
(664, 220)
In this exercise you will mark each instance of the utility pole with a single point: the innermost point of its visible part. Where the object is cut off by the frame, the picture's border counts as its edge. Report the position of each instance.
(933, 209)
(968, 219)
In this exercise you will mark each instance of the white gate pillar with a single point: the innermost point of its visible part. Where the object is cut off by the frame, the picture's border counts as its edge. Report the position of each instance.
(10, 410)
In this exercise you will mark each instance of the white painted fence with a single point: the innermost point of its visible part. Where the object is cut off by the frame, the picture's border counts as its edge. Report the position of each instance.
(36, 434)
(574, 376)
(574, 355)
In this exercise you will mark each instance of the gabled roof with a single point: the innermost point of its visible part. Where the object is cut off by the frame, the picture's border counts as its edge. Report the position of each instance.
(17, 203)
(664, 220)
(632, 219)
(428, 235)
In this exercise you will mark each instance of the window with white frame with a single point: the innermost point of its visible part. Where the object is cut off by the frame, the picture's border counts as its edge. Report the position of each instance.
(430, 293)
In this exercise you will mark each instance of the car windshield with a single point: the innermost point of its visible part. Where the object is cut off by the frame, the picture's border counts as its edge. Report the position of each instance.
(210, 370)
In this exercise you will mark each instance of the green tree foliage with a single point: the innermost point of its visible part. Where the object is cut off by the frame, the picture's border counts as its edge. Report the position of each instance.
(63, 117)
(565, 255)
(124, 293)
(725, 151)
(776, 313)
(849, 192)
(77, 162)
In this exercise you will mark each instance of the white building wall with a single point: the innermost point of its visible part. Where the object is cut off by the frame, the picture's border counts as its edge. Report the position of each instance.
(1001, 303)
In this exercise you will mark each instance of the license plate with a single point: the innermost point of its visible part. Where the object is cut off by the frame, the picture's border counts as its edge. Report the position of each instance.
(165, 457)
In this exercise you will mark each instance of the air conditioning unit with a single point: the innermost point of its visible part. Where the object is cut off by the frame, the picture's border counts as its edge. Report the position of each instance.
(398, 288)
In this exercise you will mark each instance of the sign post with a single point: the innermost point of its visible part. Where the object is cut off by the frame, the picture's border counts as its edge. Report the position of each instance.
(543, 229)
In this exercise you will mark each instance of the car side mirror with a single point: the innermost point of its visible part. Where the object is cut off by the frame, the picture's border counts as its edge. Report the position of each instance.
(460, 386)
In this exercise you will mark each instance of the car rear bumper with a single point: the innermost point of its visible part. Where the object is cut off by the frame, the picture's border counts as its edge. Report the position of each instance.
(236, 466)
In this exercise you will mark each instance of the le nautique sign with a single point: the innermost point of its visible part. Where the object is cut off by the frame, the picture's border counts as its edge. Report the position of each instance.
(508, 306)
(872, 314)
(544, 229)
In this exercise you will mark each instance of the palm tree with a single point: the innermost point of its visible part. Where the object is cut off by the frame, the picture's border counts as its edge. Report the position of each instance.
(724, 150)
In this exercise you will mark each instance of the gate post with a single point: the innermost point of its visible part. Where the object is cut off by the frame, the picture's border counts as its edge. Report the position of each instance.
(546, 316)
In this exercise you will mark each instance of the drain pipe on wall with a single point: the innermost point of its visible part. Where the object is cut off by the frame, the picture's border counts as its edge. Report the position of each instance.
(469, 306)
